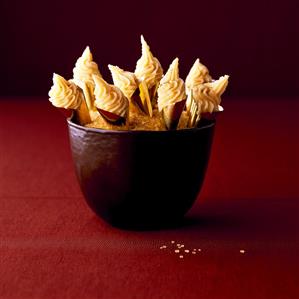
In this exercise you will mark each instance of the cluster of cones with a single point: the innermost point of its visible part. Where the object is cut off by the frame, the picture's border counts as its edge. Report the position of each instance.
(146, 90)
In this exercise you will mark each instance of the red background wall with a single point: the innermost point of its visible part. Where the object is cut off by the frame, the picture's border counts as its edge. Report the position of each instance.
(256, 42)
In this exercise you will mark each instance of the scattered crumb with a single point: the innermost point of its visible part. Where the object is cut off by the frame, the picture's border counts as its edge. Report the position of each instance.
(177, 247)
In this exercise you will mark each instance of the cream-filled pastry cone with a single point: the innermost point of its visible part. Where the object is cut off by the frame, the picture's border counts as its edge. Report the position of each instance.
(128, 84)
(125, 81)
(198, 74)
(148, 69)
(205, 100)
(110, 101)
(171, 96)
(83, 71)
(208, 95)
(65, 94)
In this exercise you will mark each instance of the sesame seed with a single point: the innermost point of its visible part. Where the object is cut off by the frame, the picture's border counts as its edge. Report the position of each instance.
(186, 250)
(242, 251)
(178, 245)
(182, 246)
(176, 251)
(193, 252)
(181, 256)
(199, 249)
(172, 242)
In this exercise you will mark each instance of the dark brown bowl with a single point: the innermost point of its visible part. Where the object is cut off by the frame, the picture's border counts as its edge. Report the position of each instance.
(140, 179)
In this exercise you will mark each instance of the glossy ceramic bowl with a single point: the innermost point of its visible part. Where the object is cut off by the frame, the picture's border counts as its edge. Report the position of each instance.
(140, 179)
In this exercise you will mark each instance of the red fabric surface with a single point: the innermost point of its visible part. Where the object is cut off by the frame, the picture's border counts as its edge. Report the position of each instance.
(52, 245)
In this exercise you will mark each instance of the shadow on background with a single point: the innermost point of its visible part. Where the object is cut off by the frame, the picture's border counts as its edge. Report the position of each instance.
(213, 221)
(245, 219)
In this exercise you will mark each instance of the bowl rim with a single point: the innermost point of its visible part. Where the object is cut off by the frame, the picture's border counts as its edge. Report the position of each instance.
(71, 123)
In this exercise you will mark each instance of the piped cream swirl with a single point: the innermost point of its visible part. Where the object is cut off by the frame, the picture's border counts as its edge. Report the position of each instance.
(205, 97)
(172, 73)
(110, 98)
(172, 88)
(148, 67)
(85, 68)
(198, 74)
(208, 95)
(64, 94)
(125, 81)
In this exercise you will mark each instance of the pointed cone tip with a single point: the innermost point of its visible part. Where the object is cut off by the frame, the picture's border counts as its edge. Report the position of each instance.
(175, 62)
(87, 52)
(111, 67)
(144, 45)
(57, 77)
(114, 68)
(223, 78)
(197, 62)
(174, 67)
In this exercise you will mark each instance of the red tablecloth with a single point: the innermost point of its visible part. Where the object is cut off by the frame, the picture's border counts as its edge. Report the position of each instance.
(52, 245)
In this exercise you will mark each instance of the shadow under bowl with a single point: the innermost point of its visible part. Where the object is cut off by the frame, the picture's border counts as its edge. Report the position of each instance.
(140, 179)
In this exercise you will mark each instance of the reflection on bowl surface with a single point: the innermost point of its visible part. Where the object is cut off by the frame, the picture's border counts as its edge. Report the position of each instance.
(140, 179)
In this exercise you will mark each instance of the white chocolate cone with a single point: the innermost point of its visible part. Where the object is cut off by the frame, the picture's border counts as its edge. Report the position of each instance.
(153, 94)
(89, 97)
(82, 113)
(142, 100)
(192, 110)
(189, 101)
